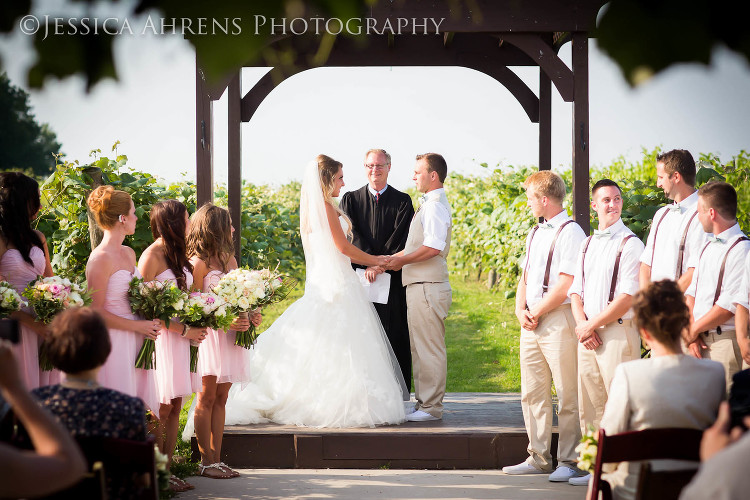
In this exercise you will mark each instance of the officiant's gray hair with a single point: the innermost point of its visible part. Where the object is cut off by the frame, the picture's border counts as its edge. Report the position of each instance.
(379, 151)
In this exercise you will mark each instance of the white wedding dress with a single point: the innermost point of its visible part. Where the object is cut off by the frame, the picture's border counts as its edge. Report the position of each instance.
(326, 361)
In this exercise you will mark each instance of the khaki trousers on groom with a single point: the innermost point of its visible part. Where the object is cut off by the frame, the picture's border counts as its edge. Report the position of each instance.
(427, 307)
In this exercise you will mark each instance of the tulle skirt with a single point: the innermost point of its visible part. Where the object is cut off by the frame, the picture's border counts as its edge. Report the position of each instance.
(173, 377)
(218, 356)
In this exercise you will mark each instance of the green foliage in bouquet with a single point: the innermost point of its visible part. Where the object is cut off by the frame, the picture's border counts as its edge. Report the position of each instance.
(10, 300)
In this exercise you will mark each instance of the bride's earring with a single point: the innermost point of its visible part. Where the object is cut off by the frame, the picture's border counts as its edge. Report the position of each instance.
(122, 219)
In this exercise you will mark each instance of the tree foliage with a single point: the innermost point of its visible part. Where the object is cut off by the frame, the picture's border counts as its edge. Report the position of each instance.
(24, 143)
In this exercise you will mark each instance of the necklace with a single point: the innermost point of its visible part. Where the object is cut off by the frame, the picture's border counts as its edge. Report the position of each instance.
(89, 383)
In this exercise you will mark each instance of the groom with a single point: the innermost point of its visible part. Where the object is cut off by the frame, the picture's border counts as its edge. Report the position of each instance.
(428, 292)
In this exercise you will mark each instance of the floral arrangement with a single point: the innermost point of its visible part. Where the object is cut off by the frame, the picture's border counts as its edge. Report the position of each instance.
(206, 310)
(154, 300)
(162, 469)
(587, 449)
(247, 290)
(48, 296)
(10, 300)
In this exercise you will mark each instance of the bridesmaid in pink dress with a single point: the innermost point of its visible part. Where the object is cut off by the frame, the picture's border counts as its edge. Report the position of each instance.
(220, 362)
(165, 260)
(23, 257)
(109, 270)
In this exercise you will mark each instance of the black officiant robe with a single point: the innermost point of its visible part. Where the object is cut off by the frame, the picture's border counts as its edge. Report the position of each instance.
(380, 227)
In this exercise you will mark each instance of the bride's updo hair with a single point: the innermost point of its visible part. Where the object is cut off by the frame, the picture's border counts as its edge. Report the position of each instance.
(327, 170)
(210, 235)
(108, 204)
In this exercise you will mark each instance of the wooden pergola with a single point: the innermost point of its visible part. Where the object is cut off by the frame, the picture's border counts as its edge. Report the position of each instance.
(495, 35)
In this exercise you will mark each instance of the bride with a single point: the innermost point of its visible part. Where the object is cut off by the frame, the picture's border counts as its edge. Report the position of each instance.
(326, 362)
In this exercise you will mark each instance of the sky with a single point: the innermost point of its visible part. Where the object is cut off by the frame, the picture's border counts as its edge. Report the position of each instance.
(463, 114)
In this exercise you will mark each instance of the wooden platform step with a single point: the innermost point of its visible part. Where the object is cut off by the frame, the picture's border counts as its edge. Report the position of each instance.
(478, 431)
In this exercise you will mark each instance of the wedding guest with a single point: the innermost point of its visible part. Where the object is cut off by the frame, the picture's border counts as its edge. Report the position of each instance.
(220, 362)
(380, 216)
(166, 260)
(55, 462)
(548, 340)
(23, 257)
(741, 316)
(717, 279)
(676, 235)
(428, 291)
(606, 278)
(109, 270)
(669, 389)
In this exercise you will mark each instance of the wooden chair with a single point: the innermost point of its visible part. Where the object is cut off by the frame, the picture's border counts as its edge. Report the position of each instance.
(130, 466)
(648, 444)
(662, 484)
(91, 487)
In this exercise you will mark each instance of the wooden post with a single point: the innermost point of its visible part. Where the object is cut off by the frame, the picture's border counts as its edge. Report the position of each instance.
(581, 202)
(545, 121)
(204, 174)
(234, 169)
(95, 232)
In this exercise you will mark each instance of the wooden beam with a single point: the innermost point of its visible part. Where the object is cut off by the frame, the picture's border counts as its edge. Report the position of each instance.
(581, 199)
(545, 121)
(234, 167)
(546, 57)
(204, 174)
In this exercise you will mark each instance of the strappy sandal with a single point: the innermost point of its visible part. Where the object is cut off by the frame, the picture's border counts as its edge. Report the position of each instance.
(178, 485)
(229, 470)
(203, 468)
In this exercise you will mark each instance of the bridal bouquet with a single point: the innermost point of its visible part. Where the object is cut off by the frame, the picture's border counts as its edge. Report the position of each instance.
(247, 289)
(205, 310)
(154, 300)
(48, 296)
(10, 300)
(587, 449)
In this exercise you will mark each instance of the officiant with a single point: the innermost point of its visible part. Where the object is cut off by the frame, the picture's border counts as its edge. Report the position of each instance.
(380, 216)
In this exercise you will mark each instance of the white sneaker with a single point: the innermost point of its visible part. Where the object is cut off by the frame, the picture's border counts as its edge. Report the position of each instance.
(563, 473)
(522, 468)
(409, 409)
(580, 480)
(420, 416)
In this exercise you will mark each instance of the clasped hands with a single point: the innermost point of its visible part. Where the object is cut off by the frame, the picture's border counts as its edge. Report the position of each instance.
(385, 263)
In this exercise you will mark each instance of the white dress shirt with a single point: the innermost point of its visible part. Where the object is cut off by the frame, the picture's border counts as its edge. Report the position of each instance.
(376, 193)
(600, 264)
(564, 257)
(706, 275)
(743, 296)
(671, 230)
(436, 219)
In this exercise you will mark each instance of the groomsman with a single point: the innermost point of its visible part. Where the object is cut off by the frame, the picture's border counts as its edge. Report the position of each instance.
(676, 234)
(717, 278)
(548, 340)
(606, 278)
(380, 216)
(428, 292)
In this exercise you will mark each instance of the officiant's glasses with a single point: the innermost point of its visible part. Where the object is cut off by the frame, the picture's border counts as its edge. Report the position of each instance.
(375, 166)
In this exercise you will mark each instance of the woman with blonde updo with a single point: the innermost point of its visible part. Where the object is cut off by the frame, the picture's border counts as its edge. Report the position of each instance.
(109, 270)
(670, 389)
(326, 362)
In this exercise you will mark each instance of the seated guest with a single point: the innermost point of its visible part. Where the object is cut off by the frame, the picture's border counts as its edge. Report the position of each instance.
(55, 462)
(670, 389)
(78, 345)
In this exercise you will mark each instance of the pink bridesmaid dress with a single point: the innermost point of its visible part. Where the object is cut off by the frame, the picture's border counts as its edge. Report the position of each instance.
(119, 371)
(217, 354)
(173, 377)
(20, 273)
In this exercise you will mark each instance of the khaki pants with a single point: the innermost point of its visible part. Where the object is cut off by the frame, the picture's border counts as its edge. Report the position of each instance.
(596, 368)
(724, 349)
(427, 306)
(549, 353)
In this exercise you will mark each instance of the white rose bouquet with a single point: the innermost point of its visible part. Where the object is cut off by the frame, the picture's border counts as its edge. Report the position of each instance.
(48, 296)
(206, 310)
(247, 290)
(10, 300)
(154, 300)
(587, 449)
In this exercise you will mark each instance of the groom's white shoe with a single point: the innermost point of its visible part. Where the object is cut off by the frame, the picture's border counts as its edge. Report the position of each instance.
(409, 409)
(420, 416)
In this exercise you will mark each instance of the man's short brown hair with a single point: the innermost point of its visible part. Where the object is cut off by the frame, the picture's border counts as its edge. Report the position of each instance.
(78, 340)
(681, 161)
(435, 163)
(546, 183)
(720, 196)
